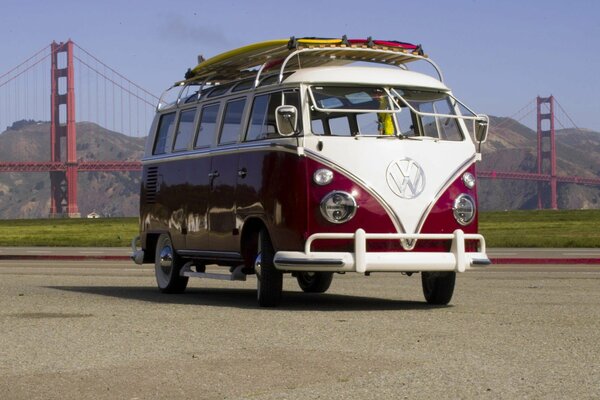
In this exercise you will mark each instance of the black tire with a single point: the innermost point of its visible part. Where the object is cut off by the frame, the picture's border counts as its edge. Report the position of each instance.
(269, 280)
(167, 266)
(314, 282)
(438, 287)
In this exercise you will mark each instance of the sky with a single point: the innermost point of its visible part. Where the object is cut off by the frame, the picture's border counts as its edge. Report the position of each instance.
(497, 56)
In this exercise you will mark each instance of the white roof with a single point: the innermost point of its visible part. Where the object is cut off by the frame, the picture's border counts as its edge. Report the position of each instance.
(365, 75)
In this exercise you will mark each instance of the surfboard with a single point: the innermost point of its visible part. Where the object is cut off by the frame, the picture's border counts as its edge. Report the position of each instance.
(237, 62)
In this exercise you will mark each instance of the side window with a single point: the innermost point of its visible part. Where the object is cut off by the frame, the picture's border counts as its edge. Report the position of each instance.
(368, 123)
(407, 122)
(232, 121)
(317, 127)
(185, 129)
(340, 126)
(262, 121)
(164, 125)
(448, 127)
(262, 118)
(207, 127)
(219, 90)
(258, 117)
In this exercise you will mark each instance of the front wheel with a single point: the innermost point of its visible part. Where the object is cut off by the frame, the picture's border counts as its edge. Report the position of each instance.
(269, 280)
(438, 287)
(167, 266)
(314, 282)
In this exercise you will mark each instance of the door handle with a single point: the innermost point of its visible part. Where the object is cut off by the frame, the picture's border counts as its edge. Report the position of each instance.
(242, 172)
(214, 174)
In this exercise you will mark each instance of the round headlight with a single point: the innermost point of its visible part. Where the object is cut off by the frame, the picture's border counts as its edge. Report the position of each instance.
(338, 207)
(469, 180)
(322, 176)
(464, 209)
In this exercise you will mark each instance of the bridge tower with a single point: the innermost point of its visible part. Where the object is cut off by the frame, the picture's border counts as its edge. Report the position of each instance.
(63, 184)
(546, 147)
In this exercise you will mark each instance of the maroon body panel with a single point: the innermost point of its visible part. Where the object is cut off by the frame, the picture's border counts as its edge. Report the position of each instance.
(274, 189)
(222, 198)
(203, 201)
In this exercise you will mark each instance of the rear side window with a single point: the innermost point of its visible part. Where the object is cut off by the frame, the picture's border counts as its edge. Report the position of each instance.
(207, 127)
(185, 130)
(164, 125)
(232, 121)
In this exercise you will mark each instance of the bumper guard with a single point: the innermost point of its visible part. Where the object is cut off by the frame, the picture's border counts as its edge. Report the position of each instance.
(361, 261)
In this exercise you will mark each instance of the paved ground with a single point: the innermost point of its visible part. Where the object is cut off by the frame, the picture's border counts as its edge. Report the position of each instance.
(78, 330)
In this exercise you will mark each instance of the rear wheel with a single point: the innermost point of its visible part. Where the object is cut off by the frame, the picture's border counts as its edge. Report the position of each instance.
(438, 287)
(167, 266)
(269, 280)
(314, 282)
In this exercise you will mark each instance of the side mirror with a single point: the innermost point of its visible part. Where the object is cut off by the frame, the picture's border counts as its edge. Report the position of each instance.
(481, 128)
(286, 118)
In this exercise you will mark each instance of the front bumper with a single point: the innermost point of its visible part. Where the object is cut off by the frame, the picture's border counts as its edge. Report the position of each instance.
(137, 256)
(457, 259)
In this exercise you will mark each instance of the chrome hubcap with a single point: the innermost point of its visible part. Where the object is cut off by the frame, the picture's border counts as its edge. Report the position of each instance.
(166, 259)
(258, 265)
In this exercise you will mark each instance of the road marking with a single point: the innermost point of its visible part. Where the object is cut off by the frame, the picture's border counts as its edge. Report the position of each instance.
(590, 254)
(502, 254)
(91, 252)
(37, 252)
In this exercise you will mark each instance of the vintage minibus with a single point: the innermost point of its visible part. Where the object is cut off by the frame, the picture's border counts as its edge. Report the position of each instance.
(312, 157)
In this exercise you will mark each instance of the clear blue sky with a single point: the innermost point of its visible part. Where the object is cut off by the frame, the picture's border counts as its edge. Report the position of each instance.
(496, 55)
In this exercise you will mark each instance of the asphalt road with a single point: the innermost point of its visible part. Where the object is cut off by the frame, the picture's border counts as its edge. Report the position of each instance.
(124, 251)
(79, 330)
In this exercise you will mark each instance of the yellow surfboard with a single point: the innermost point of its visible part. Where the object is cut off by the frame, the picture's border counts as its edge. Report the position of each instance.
(235, 61)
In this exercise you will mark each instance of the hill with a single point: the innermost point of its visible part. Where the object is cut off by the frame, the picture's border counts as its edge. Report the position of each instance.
(511, 147)
(27, 195)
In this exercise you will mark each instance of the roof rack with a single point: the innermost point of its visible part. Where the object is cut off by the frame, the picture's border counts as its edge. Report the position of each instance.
(297, 53)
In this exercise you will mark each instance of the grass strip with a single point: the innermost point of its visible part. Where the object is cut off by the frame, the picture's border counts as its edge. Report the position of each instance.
(541, 228)
(546, 228)
(84, 232)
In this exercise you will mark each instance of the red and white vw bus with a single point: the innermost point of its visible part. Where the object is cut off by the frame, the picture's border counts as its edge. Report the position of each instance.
(312, 157)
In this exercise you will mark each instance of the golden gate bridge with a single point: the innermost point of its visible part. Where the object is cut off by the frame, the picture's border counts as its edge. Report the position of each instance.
(107, 98)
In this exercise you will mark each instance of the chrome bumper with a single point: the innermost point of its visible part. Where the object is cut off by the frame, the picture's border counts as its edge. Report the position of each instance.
(137, 256)
(457, 259)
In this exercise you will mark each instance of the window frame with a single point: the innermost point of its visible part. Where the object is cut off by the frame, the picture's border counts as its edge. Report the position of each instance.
(176, 132)
(202, 107)
(165, 146)
(226, 103)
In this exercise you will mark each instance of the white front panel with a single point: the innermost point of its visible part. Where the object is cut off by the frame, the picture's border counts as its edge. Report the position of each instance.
(407, 175)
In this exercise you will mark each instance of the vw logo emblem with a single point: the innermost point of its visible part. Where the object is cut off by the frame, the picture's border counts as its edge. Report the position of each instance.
(405, 178)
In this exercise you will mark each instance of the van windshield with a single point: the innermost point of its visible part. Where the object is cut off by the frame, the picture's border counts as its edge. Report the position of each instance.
(380, 111)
